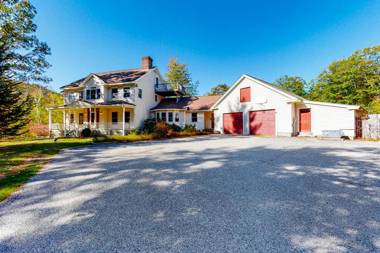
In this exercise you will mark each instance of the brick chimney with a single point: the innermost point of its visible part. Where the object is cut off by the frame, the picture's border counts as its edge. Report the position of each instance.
(147, 62)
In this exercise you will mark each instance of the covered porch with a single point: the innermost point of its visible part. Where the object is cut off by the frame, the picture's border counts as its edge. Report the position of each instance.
(101, 119)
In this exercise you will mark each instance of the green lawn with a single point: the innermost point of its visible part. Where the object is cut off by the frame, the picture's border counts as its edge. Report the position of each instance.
(20, 160)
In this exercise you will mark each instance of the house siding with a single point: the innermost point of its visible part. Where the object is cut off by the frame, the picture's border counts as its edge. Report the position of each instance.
(147, 102)
(200, 124)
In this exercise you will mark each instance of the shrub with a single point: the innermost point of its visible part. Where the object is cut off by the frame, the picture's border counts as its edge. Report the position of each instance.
(134, 131)
(189, 128)
(208, 130)
(148, 126)
(161, 129)
(96, 133)
(175, 128)
(126, 138)
(39, 130)
(86, 132)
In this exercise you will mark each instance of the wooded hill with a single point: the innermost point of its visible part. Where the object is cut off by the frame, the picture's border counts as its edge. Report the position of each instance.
(42, 98)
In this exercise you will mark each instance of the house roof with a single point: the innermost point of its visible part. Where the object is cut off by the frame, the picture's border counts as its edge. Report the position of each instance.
(195, 103)
(112, 77)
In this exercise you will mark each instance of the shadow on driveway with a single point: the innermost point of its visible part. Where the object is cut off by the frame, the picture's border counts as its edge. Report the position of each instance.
(207, 194)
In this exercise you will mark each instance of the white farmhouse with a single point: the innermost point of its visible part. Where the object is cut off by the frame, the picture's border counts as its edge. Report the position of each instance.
(116, 102)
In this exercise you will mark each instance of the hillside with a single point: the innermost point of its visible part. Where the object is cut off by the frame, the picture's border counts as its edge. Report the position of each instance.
(42, 98)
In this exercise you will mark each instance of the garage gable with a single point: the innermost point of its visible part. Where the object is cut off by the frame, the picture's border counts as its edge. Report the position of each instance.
(254, 82)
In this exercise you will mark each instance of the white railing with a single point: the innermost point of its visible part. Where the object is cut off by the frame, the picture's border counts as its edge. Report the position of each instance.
(120, 96)
(164, 87)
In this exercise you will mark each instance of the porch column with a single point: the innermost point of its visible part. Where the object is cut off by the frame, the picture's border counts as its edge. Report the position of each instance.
(64, 123)
(123, 120)
(184, 119)
(95, 117)
(50, 123)
(89, 123)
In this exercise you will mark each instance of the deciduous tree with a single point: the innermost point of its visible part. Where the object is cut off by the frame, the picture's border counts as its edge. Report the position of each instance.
(352, 80)
(294, 84)
(219, 89)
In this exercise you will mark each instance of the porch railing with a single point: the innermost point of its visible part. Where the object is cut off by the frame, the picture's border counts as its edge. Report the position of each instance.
(164, 87)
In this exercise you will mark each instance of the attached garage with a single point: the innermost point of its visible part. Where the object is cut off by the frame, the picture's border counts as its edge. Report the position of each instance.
(233, 123)
(262, 122)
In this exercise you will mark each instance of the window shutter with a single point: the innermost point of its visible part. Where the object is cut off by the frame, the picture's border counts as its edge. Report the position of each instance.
(97, 115)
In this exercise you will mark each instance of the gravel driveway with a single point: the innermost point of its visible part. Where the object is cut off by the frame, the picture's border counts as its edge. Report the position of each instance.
(205, 194)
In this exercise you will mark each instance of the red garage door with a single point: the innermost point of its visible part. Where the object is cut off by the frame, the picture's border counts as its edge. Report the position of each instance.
(233, 123)
(262, 122)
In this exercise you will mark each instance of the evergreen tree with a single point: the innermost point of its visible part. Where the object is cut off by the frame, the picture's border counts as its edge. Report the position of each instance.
(14, 107)
(22, 59)
(178, 74)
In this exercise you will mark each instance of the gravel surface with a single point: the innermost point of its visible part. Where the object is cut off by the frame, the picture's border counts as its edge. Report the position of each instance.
(205, 194)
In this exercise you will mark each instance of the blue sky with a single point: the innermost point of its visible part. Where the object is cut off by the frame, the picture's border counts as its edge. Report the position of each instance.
(219, 41)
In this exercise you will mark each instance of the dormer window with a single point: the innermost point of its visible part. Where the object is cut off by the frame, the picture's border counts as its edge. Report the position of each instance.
(114, 92)
(97, 93)
(81, 94)
(127, 92)
(93, 93)
(72, 96)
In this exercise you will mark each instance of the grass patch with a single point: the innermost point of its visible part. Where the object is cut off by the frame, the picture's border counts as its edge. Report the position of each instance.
(20, 160)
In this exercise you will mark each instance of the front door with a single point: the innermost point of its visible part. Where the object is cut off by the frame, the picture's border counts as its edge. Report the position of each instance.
(305, 120)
